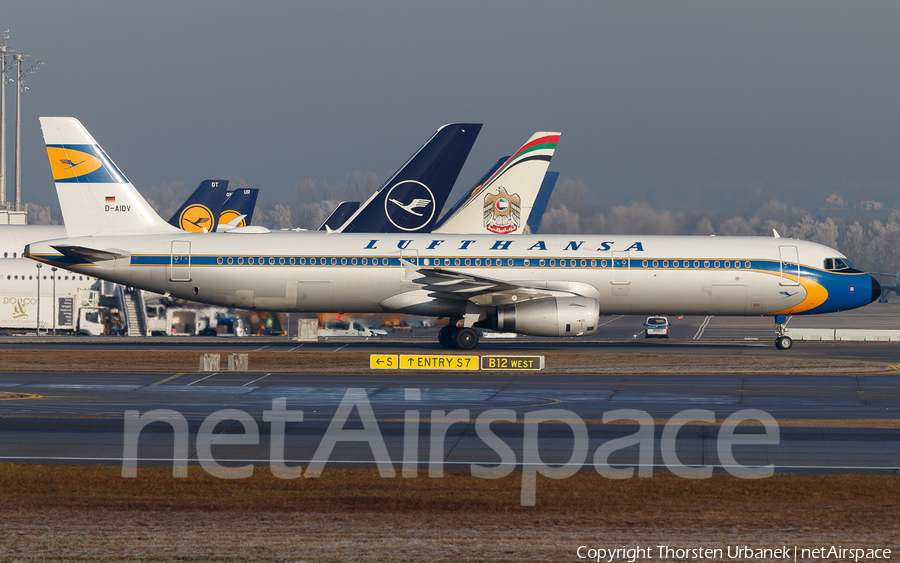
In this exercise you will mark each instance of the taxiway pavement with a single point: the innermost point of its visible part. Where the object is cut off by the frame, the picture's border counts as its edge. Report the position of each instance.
(79, 418)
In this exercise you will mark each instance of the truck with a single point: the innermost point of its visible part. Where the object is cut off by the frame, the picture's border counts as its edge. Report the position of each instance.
(77, 313)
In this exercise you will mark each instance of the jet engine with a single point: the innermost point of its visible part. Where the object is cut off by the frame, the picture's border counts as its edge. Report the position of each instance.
(550, 316)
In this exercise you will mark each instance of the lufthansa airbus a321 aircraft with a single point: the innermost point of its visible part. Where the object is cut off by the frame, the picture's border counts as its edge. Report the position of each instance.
(544, 285)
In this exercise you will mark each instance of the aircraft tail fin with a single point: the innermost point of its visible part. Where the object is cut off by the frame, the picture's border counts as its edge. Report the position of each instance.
(503, 202)
(94, 196)
(541, 202)
(469, 195)
(200, 213)
(240, 202)
(412, 199)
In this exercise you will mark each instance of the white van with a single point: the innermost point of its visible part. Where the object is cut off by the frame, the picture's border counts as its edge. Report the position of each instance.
(656, 327)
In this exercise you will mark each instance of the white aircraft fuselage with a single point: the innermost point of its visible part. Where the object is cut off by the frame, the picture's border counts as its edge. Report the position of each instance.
(543, 285)
(373, 273)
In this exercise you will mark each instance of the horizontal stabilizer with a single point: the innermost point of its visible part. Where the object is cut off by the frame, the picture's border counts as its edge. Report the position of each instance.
(91, 254)
(233, 224)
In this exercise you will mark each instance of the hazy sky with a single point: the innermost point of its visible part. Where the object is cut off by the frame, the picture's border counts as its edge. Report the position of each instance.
(678, 104)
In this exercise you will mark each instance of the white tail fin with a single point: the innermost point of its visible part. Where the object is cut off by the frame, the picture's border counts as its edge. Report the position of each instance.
(95, 197)
(504, 201)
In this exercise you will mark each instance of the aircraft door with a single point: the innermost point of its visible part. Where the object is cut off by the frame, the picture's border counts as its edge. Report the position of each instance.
(790, 265)
(180, 268)
(621, 268)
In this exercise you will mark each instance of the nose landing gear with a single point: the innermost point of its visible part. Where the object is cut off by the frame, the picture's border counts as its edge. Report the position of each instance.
(782, 340)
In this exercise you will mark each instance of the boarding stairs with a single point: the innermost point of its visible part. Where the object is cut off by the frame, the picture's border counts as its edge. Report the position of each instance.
(135, 312)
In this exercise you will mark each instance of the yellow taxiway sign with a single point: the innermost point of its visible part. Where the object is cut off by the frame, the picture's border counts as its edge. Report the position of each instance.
(382, 361)
(439, 362)
(512, 363)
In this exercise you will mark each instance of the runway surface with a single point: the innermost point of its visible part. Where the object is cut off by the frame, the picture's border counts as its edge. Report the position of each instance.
(79, 418)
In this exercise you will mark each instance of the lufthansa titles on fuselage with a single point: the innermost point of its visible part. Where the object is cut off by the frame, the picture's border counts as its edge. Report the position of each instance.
(605, 246)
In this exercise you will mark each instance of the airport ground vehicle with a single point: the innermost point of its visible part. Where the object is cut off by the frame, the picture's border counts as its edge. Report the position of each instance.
(656, 327)
(182, 322)
(78, 314)
(230, 326)
(350, 328)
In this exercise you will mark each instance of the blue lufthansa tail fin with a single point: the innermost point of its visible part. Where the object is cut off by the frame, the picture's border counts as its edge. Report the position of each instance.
(412, 199)
(200, 213)
(240, 202)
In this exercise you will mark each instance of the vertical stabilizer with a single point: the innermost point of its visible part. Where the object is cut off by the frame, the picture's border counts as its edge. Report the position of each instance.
(237, 211)
(541, 202)
(94, 196)
(412, 199)
(471, 193)
(200, 213)
(504, 201)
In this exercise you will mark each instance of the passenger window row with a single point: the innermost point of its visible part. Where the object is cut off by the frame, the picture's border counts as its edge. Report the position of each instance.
(542, 262)
(15, 277)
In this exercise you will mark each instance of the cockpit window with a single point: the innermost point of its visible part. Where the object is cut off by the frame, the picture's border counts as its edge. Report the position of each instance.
(835, 264)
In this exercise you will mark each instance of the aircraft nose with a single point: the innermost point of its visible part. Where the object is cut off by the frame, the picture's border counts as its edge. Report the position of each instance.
(876, 290)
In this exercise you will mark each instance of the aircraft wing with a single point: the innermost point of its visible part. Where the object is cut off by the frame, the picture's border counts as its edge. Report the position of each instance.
(482, 290)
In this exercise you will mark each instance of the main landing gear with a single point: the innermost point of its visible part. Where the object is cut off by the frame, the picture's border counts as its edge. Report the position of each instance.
(782, 340)
(458, 338)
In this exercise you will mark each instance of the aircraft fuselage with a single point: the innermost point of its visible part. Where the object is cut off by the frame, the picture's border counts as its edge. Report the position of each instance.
(371, 273)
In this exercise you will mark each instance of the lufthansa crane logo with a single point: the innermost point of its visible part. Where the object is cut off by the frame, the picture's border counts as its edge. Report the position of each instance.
(502, 211)
(196, 218)
(409, 205)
